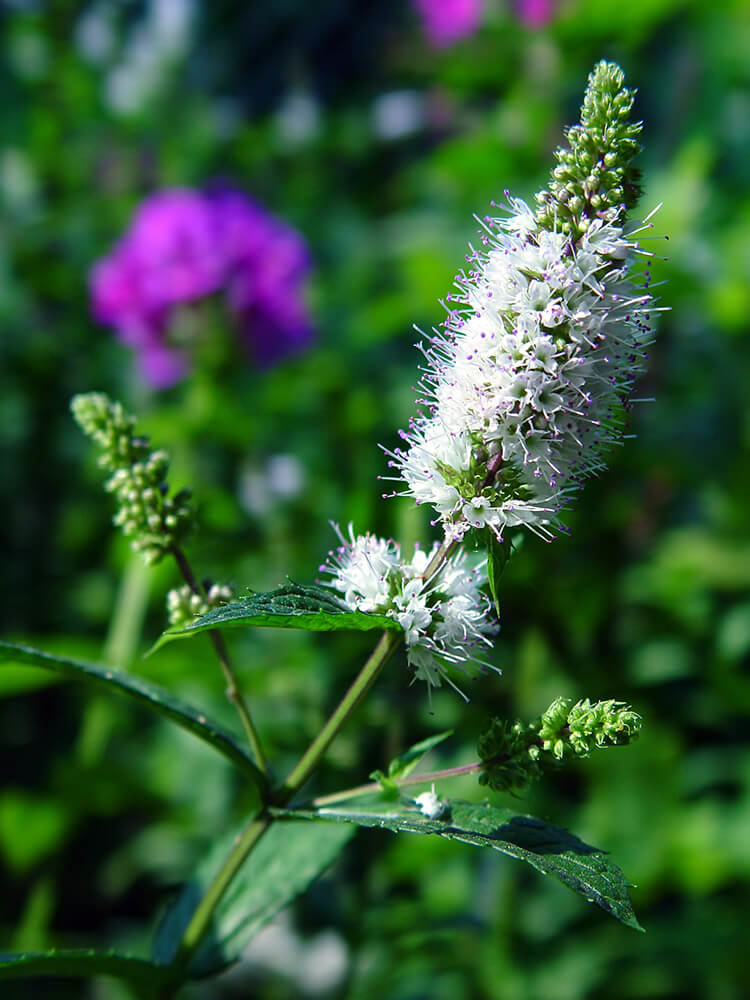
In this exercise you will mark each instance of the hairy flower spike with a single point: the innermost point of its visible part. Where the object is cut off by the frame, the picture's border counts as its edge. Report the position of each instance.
(158, 523)
(514, 755)
(444, 618)
(594, 178)
(527, 381)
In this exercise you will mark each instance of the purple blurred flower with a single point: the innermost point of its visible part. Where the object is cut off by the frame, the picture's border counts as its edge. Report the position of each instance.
(446, 21)
(183, 246)
(535, 13)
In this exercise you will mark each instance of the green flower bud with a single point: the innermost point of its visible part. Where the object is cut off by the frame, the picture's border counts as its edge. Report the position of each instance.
(579, 191)
(157, 523)
(183, 605)
(514, 755)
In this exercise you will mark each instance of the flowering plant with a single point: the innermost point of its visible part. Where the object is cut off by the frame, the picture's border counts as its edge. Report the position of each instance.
(527, 384)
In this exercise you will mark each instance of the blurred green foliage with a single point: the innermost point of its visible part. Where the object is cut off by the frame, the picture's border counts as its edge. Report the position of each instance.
(343, 121)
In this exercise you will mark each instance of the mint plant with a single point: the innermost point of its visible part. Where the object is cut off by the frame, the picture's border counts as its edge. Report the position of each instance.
(526, 387)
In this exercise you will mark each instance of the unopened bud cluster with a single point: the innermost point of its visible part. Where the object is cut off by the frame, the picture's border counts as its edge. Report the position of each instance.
(156, 522)
(594, 178)
(184, 605)
(515, 754)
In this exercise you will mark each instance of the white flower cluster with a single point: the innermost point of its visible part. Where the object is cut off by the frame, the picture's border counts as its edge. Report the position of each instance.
(444, 616)
(527, 379)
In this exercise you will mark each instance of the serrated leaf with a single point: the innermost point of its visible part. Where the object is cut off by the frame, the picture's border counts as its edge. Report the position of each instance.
(313, 608)
(85, 963)
(498, 554)
(404, 764)
(551, 850)
(287, 858)
(147, 694)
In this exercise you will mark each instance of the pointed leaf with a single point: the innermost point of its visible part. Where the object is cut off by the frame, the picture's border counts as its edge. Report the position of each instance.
(315, 609)
(84, 963)
(287, 858)
(549, 849)
(388, 786)
(142, 691)
(404, 764)
(498, 554)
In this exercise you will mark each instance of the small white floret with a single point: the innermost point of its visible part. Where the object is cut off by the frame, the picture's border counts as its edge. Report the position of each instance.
(430, 805)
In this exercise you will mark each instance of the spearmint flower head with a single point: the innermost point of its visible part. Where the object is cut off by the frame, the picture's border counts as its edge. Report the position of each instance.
(445, 616)
(528, 377)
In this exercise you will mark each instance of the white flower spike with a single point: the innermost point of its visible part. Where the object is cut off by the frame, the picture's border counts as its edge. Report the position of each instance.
(527, 379)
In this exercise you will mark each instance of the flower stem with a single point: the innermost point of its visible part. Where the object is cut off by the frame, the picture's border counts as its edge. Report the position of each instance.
(387, 644)
(414, 779)
(201, 918)
(359, 688)
(362, 684)
(234, 692)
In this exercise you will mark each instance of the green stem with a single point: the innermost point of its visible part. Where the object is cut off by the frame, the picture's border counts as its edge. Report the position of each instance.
(201, 918)
(234, 692)
(126, 625)
(387, 644)
(361, 685)
(413, 779)
(127, 619)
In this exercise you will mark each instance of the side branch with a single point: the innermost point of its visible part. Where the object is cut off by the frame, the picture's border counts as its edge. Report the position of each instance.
(234, 692)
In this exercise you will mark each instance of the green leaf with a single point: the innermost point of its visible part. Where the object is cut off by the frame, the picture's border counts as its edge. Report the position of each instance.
(144, 692)
(388, 786)
(84, 963)
(404, 764)
(498, 554)
(291, 606)
(287, 858)
(549, 849)
(32, 826)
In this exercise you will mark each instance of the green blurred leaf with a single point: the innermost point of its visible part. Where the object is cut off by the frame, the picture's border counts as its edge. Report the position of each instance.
(84, 963)
(288, 857)
(405, 763)
(144, 692)
(21, 680)
(31, 827)
(551, 850)
(291, 606)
